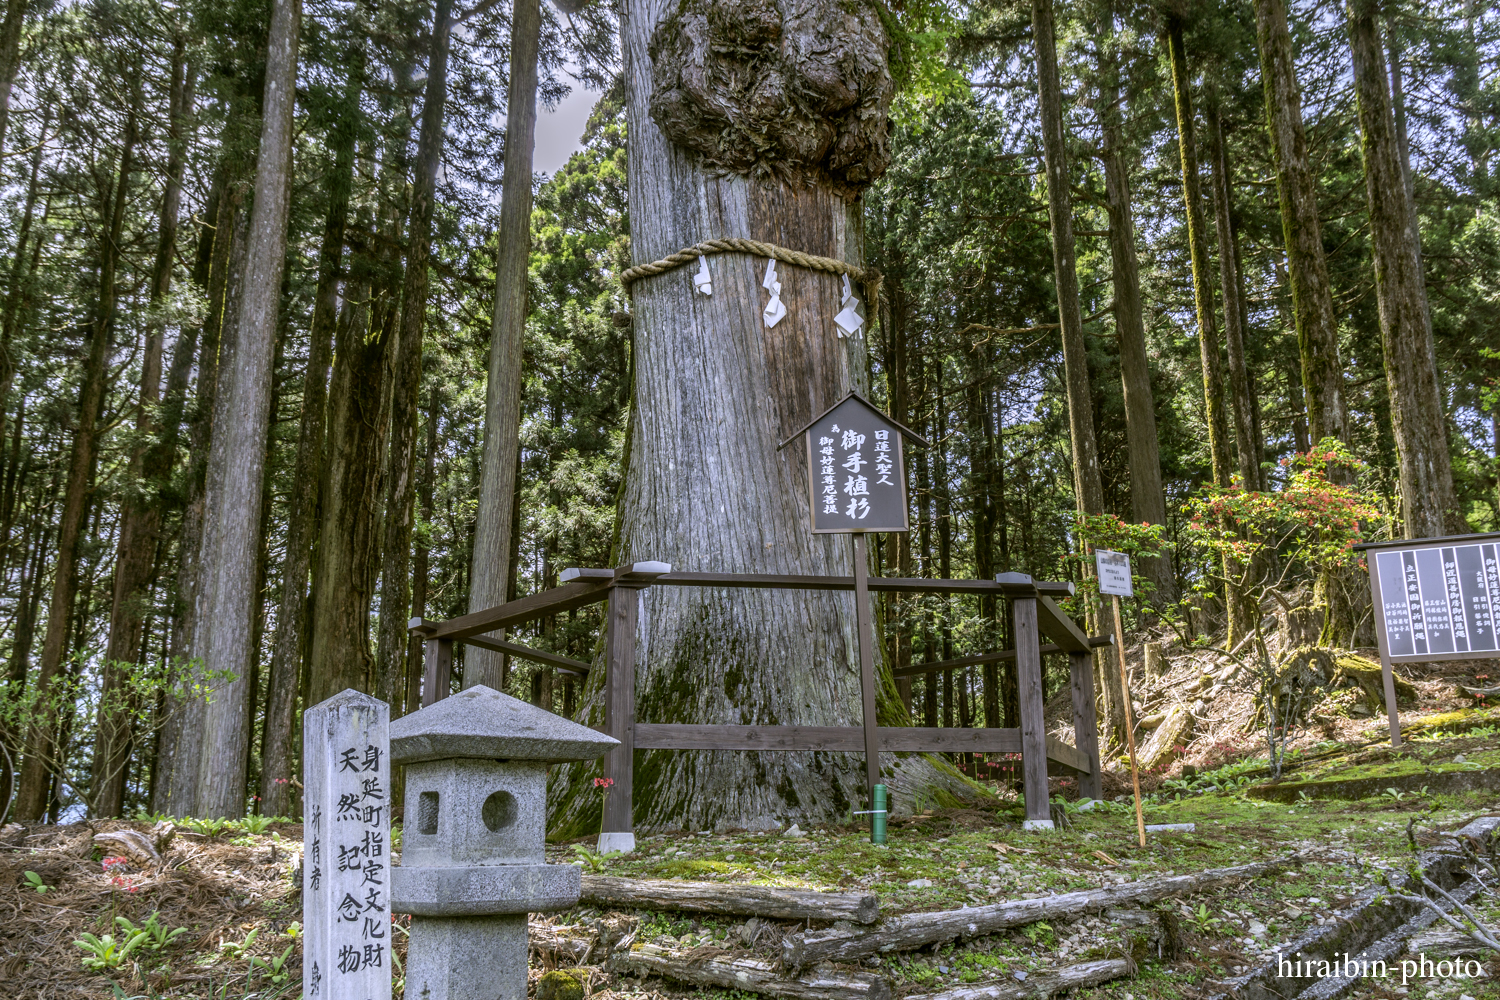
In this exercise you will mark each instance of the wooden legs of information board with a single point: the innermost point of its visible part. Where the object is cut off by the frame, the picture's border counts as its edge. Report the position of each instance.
(866, 670)
(437, 671)
(618, 832)
(1388, 679)
(1135, 777)
(1085, 723)
(1033, 725)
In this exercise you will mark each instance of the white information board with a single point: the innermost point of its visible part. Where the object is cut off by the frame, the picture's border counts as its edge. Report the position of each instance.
(1114, 573)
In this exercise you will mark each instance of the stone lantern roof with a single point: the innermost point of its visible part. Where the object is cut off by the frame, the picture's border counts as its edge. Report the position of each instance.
(480, 722)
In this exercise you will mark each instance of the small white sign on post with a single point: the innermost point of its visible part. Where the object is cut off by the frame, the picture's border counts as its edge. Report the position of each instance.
(1114, 573)
(346, 869)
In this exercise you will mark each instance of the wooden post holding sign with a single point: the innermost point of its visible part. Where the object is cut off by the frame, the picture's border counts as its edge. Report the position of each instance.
(857, 484)
(1435, 599)
(1113, 569)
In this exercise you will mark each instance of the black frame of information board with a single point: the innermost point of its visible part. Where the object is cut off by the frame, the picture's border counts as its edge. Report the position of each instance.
(1378, 557)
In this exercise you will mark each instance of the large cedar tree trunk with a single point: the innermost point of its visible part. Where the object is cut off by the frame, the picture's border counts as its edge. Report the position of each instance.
(1088, 486)
(716, 392)
(232, 523)
(1148, 503)
(1203, 300)
(400, 484)
(278, 750)
(1429, 506)
(1307, 268)
(1231, 287)
(489, 582)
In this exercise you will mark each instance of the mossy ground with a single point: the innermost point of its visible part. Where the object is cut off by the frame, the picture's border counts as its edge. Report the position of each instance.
(225, 886)
(973, 858)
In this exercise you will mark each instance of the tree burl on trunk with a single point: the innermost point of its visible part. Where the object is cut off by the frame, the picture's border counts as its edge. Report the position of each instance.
(797, 89)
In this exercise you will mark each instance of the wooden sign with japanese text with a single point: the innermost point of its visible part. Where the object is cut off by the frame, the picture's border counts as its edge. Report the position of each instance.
(1438, 598)
(857, 476)
(346, 861)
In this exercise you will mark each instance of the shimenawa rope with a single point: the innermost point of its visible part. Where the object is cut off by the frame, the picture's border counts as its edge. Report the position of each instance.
(869, 278)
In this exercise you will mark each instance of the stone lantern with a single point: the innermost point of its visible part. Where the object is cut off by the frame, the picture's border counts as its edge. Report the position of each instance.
(472, 846)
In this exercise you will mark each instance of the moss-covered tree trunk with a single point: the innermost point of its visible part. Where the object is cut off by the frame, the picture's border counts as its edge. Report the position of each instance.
(1429, 506)
(763, 121)
(1088, 488)
(1148, 501)
(1214, 417)
(1307, 268)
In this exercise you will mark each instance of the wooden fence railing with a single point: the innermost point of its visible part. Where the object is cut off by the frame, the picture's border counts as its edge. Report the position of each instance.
(1034, 614)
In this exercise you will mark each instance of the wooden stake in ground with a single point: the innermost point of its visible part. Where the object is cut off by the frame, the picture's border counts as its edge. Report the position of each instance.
(1113, 570)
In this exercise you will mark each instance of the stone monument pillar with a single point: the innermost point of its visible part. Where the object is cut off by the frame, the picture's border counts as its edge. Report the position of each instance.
(346, 776)
(472, 851)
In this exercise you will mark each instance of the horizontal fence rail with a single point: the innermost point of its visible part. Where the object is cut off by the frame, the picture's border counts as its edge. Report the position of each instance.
(1033, 609)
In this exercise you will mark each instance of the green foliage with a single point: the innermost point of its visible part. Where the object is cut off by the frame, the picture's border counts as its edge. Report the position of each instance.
(273, 969)
(108, 952)
(592, 860)
(1310, 521)
(1205, 922)
(157, 934)
(236, 950)
(207, 827)
(34, 882)
(131, 704)
(921, 58)
(257, 825)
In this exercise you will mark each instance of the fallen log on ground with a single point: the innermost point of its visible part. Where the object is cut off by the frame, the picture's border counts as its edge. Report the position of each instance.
(1038, 985)
(710, 967)
(909, 931)
(566, 945)
(714, 897)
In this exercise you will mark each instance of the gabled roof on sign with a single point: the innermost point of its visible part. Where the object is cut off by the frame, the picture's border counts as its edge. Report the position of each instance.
(854, 393)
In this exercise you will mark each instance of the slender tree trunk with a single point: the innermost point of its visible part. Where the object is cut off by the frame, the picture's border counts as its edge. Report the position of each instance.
(1307, 269)
(489, 582)
(898, 384)
(339, 653)
(36, 770)
(1087, 485)
(278, 747)
(32, 583)
(1232, 289)
(233, 522)
(1203, 300)
(22, 270)
(10, 57)
(1203, 295)
(400, 483)
(420, 565)
(1429, 506)
(1148, 504)
(140, 521)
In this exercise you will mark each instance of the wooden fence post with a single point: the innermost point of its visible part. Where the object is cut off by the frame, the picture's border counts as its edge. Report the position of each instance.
(618, 833)
(1086, 723)
(437, 671)
(1033, 724)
